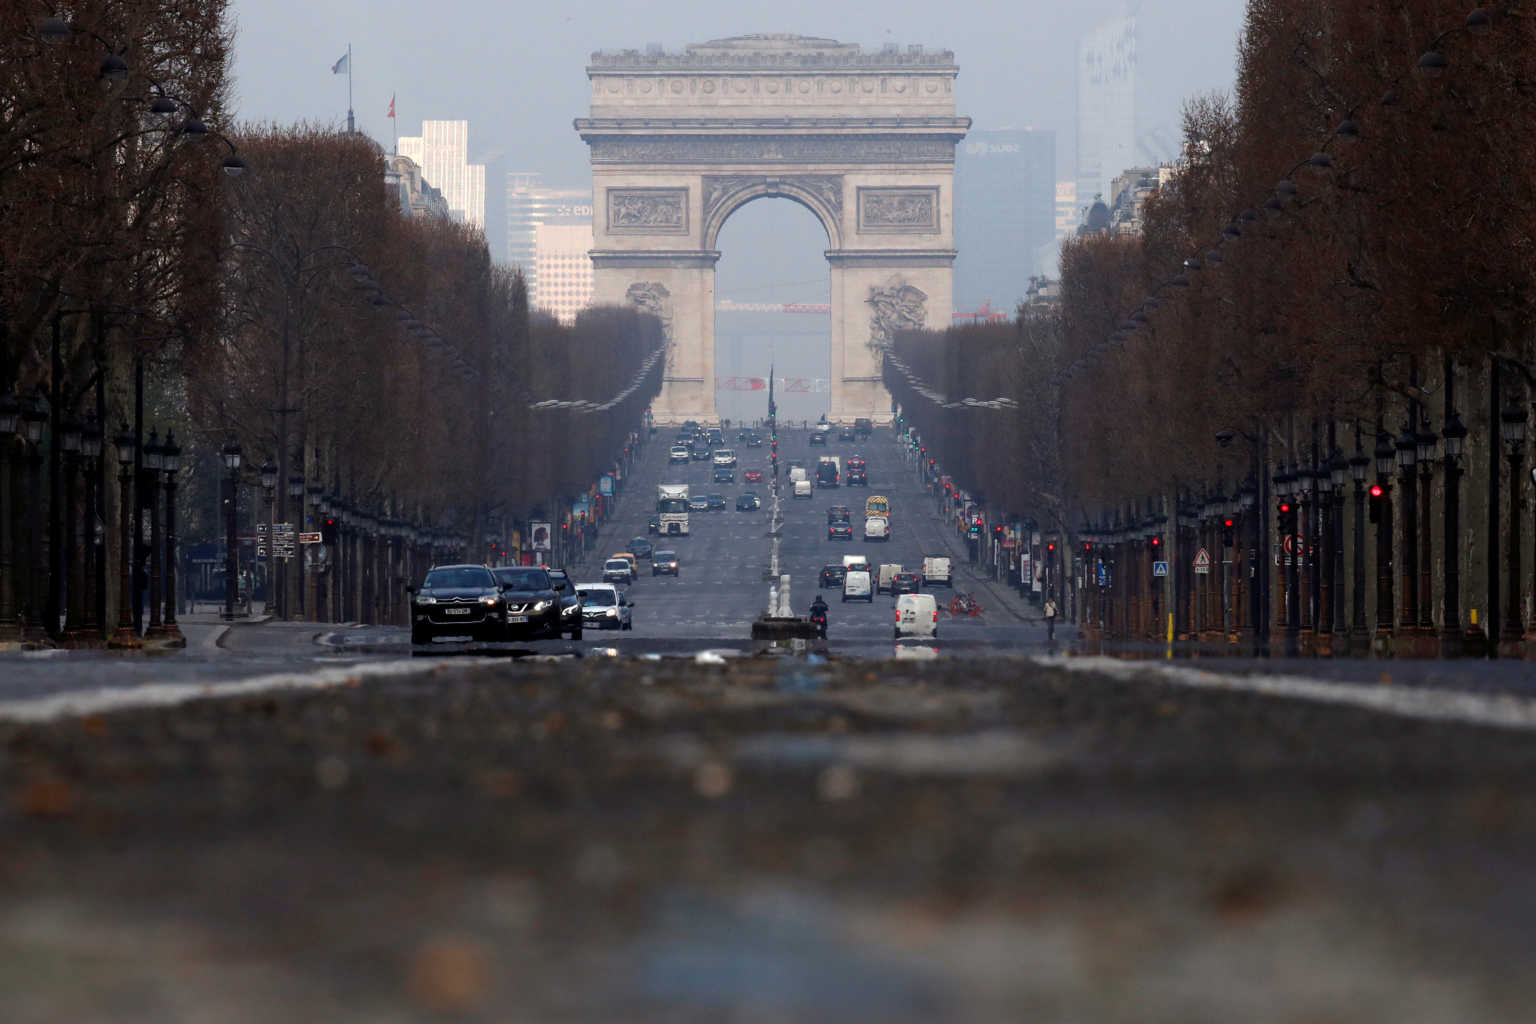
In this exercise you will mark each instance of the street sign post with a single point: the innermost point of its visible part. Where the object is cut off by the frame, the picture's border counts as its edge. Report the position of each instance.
(312, 538)
(282, 540)
(1159, 568)
(1202, 562)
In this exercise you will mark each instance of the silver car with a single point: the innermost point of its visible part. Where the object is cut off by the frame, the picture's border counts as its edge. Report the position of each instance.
(604, 606)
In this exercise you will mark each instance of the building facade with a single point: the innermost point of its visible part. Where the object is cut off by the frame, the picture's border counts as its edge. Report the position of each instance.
(1106, 108)
(417, 198)
(1005, 215)
(530, 204)
(562, 269)
(442, 153)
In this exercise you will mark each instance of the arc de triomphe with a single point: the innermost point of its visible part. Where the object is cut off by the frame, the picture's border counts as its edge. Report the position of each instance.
(865, 141)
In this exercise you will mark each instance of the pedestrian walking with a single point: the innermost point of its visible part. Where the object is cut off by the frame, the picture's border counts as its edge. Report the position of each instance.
(1050, 620)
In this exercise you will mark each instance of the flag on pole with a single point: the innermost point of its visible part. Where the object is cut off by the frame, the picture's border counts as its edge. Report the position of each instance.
(391, 113)
(340, 67)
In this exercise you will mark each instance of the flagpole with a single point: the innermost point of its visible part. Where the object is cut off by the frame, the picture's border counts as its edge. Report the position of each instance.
(351, 126)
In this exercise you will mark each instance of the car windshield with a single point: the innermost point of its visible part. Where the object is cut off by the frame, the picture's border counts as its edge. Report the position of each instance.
(617, 563)
(641, 543)
(461, 577)
(523, 579)
(666, 556)
(673, 505)
(600, 598)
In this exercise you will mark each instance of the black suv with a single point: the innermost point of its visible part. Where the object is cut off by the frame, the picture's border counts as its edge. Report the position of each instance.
(533, 603)
(832, 576)
(457, 600)
(570, 602)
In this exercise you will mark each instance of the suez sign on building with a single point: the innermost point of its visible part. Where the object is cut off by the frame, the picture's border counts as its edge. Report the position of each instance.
(986, 148)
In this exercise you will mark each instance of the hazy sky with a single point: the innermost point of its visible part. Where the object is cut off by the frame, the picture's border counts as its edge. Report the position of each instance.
(515, 70)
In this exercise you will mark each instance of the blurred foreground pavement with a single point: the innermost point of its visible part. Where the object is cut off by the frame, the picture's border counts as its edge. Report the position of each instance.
(772, 840)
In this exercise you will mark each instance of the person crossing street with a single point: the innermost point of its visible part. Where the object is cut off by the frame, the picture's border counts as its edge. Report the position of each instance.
(1050, 620)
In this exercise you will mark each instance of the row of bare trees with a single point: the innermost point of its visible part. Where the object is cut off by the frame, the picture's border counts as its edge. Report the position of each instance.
(1342, 259)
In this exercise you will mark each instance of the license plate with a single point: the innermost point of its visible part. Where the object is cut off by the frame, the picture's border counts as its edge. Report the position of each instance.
(455, 611)
(517, 618)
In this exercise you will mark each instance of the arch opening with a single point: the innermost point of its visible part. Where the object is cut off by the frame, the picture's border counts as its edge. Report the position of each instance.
(771, 262)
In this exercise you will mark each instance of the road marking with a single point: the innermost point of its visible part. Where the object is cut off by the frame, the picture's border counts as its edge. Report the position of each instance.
(148, 695)
(1501, 710)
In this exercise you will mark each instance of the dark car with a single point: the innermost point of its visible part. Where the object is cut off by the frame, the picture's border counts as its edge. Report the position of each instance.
(701, 452)
(838, 514)
(664, 563)
(840, 531)
(754, 441)
(653, 524)
(819, 437)
(715, 502)
(748, 502)
(640, 547)
(725, 475)
(863, 427)
(906, 583)
(858, 472)
(570, 604)
(832, 576)
(457, 600)
(845, 434)
(533, 603)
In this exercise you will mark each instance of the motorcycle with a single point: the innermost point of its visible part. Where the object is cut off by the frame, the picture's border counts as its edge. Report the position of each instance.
(818, 618)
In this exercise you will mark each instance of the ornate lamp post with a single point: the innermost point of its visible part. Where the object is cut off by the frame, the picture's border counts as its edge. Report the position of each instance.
(311, 576)
(1359, 463)
(34, 617)
(170, 462)
(93, 576)
(125, 635)
(231, 457)
(1338, 475)
(10, 422)
(1321, 563)
(1512, 419)
(1455, 434)
(1384, 457)
(1407, 455)
(64, 603)
(1426, 441)
(1285, 490)
(293, 595)
(154, 462)
(269, 550)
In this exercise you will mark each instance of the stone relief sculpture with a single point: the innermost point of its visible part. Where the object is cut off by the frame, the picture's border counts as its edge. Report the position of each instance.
(648, 209)
(897, 307)
(653, 297)
(906, 209)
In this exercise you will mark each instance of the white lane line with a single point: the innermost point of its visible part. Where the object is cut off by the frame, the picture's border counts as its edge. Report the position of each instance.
(147, 695)
(1500, 710)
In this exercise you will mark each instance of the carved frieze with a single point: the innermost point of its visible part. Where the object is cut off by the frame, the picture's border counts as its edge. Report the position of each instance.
(908, 211)
(897, 307)
(721, 189)
(647, 211)
(770, 149)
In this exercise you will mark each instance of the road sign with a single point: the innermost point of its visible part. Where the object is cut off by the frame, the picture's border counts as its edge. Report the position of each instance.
(1103, 574)
(312, 538)
(605, 484)
(1202, 562)
(282, 540)
(1159, 568)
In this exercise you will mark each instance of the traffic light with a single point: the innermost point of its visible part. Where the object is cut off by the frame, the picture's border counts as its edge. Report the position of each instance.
(1157, 542)
(1228, 531)
(328, 530)
(1286, 516)
(1087, 548)
(1050, 546)
(1378, 499)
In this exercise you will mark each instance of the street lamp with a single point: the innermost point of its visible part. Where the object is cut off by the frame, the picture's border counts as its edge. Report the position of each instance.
(32, 420)
(1425, 441)
(1407, 456)
(170, 463)
(231, 457)
(1455, 435)
(93, 578)
(153, 464)
(1512, 420)
(127, 450)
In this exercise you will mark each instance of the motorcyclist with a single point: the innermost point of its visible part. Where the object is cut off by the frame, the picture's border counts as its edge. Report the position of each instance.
(819, 613)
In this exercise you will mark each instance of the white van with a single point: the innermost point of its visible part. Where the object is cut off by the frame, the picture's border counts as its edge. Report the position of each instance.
(852, 563)
(877, 528)
(803, 489)
(856, 585)
(936, 570)
(888, 572)
(917, 615)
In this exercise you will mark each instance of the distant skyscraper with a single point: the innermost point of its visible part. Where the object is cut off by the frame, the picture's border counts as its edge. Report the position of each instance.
(1106, 107)
(442, 151)
(529, 204)
(1005, 215)
(1066, 209)
(562, 277)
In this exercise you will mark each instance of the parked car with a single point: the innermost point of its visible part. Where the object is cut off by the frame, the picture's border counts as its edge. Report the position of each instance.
(752, 476)
(715, 502)
(457, 600)
(747, 501)
(604, 606)
(831, 576)
(664, 563)
(532, 603)
(618, 570)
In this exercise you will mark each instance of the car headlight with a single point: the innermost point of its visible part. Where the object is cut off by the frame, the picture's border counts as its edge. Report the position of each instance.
(612, 612)
(490, 601)
(540, 606)
(426, 600)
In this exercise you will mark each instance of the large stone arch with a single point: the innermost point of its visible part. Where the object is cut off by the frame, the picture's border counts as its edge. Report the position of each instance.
(865, 141)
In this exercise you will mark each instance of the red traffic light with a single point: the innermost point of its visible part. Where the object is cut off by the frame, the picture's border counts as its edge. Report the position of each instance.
(1284, 507)
(1157, 542)
(1228, 523)
(1051, 546)
(1376, 491)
